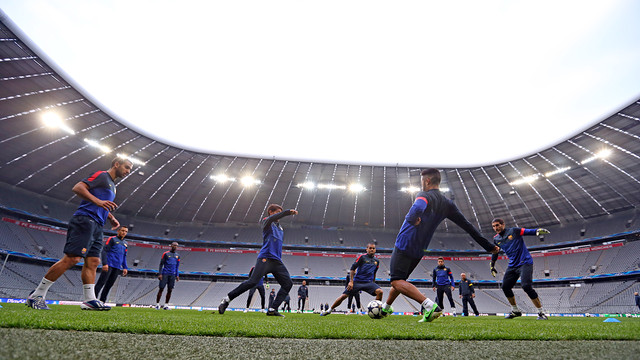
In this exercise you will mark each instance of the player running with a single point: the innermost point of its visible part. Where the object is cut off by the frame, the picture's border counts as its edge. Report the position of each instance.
(363, 279)
(424, 216)
(520, 264)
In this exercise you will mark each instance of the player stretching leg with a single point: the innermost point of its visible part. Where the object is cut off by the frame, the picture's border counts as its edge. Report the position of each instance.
(367, 266)
(520, 264)
(424, 216)
(84, 235)
(269, 261)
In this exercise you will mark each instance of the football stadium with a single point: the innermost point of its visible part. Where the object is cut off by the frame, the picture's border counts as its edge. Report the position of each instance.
(226, 253)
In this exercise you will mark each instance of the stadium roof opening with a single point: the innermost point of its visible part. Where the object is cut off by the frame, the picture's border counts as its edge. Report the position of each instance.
(419, 83)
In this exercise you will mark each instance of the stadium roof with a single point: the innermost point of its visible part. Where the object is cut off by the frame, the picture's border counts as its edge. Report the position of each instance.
(356, 81)
(594, 173)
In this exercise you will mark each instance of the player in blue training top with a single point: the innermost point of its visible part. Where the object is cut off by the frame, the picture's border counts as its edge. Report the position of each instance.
(168, 274)
(84, 235)
(520, 264)
(443, 283)
(269, 261)
(114, 262)
(303, 295)
(363, 274)
(430, 208)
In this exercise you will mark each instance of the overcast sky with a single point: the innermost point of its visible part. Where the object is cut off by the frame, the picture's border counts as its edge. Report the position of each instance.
(441, 83)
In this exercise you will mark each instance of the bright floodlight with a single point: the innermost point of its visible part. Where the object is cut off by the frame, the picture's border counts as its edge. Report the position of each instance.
(331, 186)
(558, 171)
(248, 181)
(97, 145)
(356, 188)
(525, 180)
(410, 189)
(222, 178)
(307, 185)
(444, 189)
(51, 119)
(603, 154)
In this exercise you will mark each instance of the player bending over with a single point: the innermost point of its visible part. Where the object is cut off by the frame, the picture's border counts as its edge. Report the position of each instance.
(424, 216)
(363, 279)
(520, 264)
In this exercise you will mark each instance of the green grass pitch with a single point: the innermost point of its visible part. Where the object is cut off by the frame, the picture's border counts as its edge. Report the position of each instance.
(312, 326)
(66, 332)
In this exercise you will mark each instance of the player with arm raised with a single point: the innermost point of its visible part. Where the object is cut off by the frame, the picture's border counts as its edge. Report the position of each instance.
(269, 261)
(520, 264)
(429, 209)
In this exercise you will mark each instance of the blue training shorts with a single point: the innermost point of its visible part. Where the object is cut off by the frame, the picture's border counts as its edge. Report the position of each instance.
(368, 287)
(401, 265)
(167, 279)
(84, 237)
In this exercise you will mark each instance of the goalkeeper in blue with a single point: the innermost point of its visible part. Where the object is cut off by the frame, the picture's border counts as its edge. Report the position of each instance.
(520, 264)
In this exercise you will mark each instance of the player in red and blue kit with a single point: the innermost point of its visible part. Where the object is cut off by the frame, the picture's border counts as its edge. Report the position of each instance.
(269, 261)
(84, 235)
(363, 274)
(168, 274)
(114, 263)
(430, 208)
(520, 264)
(443, 284)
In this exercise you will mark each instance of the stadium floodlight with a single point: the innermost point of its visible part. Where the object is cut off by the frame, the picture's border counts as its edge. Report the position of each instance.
(248, 181)
(410, 189)
(307, 185)
(51, 119)
(331, 186)
(132, 159)
(588, 160)
(602, 154)
(222, 178)
(444, 189)
(558, 171)
(525, 180)
(97, 145)
(356, 188)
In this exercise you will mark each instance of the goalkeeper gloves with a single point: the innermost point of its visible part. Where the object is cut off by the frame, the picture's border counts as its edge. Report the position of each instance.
(494, 272)
(542, 231)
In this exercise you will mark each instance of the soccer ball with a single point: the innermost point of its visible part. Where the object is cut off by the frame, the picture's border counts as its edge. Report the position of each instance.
(374, 309)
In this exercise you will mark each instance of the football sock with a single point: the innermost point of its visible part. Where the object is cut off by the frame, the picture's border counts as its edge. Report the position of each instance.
(226, 299)
(540, 310)
(386, 306)
(89, 292)
(515, 308)
(42, 288)
(427, 303)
